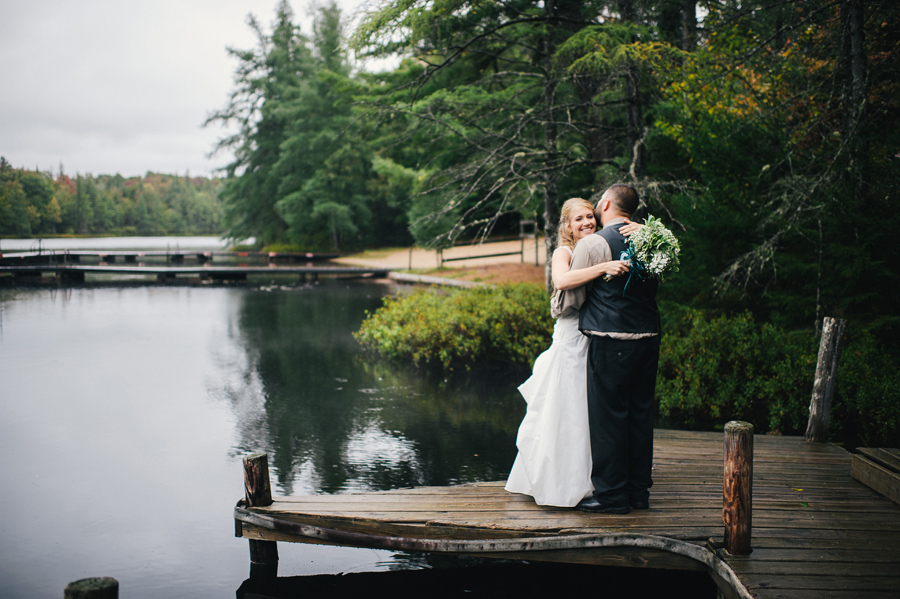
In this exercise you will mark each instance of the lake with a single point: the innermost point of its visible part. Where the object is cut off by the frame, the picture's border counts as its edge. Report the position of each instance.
(125, 411)
(126, 407)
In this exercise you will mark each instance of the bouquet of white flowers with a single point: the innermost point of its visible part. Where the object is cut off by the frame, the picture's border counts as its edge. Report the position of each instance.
(653, 251)
(655, 248)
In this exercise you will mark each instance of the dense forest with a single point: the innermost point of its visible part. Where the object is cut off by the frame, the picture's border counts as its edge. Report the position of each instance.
(763, 132)
(34, 203)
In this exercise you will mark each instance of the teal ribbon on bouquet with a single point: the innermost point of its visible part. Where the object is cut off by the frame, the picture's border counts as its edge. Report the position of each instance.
(637, 266)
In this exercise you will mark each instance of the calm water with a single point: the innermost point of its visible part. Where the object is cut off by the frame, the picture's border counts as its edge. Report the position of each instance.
(114, 243)
(126, 407)
(125, 411)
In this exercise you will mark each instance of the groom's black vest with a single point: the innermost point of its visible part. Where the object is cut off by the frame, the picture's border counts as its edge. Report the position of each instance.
(608, 310)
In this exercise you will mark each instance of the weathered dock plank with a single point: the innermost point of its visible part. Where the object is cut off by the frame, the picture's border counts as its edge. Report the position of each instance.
(816, 531)
(879, 469)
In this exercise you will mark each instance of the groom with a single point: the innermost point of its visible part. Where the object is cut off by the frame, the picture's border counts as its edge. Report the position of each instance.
(623, 355)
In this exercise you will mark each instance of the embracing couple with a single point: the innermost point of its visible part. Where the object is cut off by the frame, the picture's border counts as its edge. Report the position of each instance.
(587, 436)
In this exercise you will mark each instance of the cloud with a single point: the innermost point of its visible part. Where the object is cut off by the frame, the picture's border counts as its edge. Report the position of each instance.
(108, 87)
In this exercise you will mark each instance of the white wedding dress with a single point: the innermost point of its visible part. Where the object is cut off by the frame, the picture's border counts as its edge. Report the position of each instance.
(554, 460)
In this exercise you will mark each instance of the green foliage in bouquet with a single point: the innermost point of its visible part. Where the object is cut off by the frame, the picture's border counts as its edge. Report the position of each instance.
(656, 249)
(502, 325)
(731, 368)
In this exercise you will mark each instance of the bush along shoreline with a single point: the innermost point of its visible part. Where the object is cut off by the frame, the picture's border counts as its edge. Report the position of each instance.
(712, 368)
(497, 325)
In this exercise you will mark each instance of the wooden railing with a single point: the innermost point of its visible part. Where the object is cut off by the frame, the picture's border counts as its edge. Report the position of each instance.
(522, 236)
(521, 252)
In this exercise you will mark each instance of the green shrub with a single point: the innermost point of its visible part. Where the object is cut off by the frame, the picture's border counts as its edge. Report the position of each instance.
(506, 324)
(866, 407)
(711, 370)
(730, 368)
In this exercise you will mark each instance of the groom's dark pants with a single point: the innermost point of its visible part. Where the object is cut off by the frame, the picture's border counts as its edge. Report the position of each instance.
(621, 380)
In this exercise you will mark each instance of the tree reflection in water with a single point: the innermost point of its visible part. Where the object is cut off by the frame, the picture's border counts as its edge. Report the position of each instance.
(334, 419)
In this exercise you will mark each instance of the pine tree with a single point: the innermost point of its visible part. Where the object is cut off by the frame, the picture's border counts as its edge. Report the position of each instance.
(509, 127)
(267, 77)
(323, 171)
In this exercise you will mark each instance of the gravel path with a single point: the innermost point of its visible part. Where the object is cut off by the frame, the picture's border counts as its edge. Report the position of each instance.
(466, 265)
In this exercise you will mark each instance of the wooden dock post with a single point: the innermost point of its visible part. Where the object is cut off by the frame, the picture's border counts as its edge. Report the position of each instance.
(826, 375)
(70, 276)
(737, 499)
(258, 493)
(92, 588)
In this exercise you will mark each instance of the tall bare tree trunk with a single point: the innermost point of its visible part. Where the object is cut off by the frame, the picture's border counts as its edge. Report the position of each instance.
(551, 133)
(593, 132)
(824, 383)
(689, 25)
(855, 66)
(635, 123)
(551, 196)
(780, 33)
(634, 110)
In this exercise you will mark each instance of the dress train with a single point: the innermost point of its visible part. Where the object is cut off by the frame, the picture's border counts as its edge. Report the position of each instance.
(554, 460)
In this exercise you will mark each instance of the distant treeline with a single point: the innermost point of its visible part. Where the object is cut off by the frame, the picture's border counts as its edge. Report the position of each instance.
(36, 203)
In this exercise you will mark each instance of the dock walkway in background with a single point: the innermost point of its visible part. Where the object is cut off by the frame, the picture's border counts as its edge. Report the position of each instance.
(77, 272)
(169, 265)
(816, 531)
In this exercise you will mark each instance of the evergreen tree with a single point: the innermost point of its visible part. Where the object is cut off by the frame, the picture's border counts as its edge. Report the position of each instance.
(510, 127)
(52, 215)
(267, 77)
(64, 196)
(322, 191)
(13, 203)
(85, 199)
(302, 172)
(774, 117)
(38, 190)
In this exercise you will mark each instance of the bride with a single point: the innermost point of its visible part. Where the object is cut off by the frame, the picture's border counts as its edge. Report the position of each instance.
(554, 460)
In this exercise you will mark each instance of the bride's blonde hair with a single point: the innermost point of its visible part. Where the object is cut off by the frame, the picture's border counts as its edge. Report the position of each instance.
(564, 235)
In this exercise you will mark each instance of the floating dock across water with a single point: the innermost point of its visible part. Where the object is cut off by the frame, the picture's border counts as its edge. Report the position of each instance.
(77, 272)
(110, 256)
(167, 265)
(814, 530)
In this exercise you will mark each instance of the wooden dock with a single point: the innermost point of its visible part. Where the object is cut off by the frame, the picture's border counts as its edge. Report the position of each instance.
(77, 272)
(176, 255)
(816, 532)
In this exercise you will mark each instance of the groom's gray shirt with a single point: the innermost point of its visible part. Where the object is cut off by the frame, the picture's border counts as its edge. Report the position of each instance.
(590, 251)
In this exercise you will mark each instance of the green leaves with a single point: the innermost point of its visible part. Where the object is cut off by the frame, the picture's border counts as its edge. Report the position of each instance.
(865, 410)
(602, 49)
(713, 370)
(502, 325)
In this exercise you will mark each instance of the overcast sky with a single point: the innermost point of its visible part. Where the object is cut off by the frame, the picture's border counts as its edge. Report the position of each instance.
(121, 86)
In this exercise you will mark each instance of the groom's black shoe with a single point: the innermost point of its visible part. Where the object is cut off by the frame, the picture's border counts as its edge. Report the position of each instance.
(592, 504)
(639, 501)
